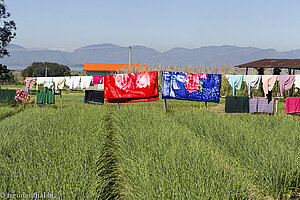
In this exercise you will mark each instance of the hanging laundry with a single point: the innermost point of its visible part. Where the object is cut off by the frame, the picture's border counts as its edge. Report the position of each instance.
(132, 87)
(49, 85)
(30, 82)
(44, 97)
(22, 94)
(235, 82)
(285, 82)
(73, 82)
(7, 95)
(252, 81)
(85, 81)
(42, 80)
(236, 104)
(97, 80)
(59, 82)
(191, 86)
(297, 82)
(268, 83)
(293, 105)
(94, 96)
(262, 105)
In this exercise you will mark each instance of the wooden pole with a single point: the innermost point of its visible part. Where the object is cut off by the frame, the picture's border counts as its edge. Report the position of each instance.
(164, 100)
(118, 104)
(205, 104)
(276, 108)
(61, 104)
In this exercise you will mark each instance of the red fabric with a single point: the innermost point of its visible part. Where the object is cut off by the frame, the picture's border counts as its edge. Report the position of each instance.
(133, 87)
(97, 80)
(293, 105)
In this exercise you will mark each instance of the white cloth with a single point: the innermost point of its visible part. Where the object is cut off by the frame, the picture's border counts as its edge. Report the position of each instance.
(252, 81)
(42, 80)
(59, 82)
(297, 81)
(86, 81)
(74, 82)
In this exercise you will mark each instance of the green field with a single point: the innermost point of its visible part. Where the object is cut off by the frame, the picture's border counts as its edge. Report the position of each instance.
(140, 152)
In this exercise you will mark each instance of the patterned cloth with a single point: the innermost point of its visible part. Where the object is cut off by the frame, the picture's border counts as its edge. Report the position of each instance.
(132, 87)
(190, 86)
(262, 105)
(22, 94)
(30, 82)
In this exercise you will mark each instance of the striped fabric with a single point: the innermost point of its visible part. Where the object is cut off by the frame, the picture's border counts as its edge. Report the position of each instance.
(22, 94)
(30, 82)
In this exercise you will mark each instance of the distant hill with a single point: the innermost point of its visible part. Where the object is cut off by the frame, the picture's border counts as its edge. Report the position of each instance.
(203, 56)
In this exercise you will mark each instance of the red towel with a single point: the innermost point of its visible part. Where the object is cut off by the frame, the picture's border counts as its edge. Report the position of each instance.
(97, 80)
(293, 105)
(133, 87)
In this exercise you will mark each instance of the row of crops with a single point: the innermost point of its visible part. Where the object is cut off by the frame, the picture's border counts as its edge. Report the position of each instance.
(141, 152)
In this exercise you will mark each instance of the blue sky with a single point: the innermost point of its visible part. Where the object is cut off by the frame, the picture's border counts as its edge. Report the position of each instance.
(159, 24)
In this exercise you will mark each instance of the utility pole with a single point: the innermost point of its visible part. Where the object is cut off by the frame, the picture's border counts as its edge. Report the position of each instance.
(129, 58)
(46, 72)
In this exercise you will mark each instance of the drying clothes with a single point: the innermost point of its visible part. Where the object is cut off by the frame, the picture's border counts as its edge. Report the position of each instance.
(42, 80)
(59, 82)
(30, 82)
(285, 82)
(45, 97)
(22, 94)
(132, 87)
(293, 105)
(74, 81)
(85, 81)
(191, 86)
(49, 85)
(297, 81)
(7, 95)
(235, 81)
(268, 83)
(97, 80)
(252, 81)
(262, 105)
(236, 104)
(94, 96)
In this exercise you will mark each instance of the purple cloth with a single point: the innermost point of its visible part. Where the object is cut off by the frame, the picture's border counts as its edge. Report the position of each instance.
(261, 105)
(285, 82)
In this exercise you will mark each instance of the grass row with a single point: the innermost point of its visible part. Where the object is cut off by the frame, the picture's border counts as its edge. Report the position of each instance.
(266, 146)
(45, 149)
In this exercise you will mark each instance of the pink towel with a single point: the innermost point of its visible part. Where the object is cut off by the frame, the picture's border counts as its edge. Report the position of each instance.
(293, 105)
(97, 80)
(285, 82)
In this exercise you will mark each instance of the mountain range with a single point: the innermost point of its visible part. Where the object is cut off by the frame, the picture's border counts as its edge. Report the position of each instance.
(21, 57)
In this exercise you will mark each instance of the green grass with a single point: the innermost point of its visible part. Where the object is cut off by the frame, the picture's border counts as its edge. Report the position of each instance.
(140, 152)
(51, 150)
(266, 146)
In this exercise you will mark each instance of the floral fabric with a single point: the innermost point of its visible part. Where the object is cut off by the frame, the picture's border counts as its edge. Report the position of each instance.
(191, 86)
(132, 87)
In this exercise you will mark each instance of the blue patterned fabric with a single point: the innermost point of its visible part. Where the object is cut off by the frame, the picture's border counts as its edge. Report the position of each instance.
(188, 86)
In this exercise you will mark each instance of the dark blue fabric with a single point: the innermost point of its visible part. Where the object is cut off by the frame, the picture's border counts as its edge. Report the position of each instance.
(173, 87)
